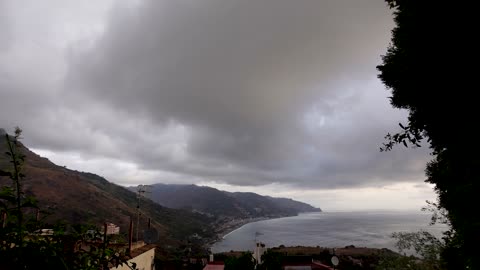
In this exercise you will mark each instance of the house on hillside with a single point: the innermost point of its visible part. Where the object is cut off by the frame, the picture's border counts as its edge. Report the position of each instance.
(143, 257)
(214, 266)
(112, 229)
(260, 249)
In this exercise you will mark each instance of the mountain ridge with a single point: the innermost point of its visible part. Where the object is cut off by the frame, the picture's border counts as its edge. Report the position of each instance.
(224, 204)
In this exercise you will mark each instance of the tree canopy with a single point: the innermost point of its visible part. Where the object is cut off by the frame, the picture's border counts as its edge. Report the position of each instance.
(244, 262)
(428, 69)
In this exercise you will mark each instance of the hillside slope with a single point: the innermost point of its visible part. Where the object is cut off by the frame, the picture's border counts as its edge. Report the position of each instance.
(79, 197)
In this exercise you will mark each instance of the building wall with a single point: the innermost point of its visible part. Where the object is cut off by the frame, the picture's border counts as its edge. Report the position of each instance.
(260, 249)
(137, 244)
(113, 229)
(144, 261)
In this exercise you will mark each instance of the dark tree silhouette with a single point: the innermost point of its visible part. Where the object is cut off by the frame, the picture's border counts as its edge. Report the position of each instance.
(244, 262)
(428, 68)
(271, 261)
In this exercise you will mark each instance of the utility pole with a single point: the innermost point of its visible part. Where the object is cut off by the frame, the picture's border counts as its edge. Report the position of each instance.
(141, 190)
(130, 236)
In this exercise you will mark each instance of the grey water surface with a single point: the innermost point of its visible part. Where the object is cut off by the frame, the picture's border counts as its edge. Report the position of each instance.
(329, 229)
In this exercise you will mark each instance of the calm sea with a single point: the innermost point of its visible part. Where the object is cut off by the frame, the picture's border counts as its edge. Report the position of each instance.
(329, 229)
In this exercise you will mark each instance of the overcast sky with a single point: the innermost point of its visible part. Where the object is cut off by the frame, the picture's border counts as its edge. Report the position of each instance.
(278, 97)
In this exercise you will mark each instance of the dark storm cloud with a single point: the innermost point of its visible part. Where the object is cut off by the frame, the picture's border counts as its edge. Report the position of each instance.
(34, 35)
(242, 75)
(242, 92)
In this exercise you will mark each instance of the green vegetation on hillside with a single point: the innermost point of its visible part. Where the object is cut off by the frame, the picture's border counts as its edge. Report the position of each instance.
(84, 198)
(27, 243)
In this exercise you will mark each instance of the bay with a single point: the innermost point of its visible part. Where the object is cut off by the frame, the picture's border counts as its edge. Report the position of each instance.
(329, 229)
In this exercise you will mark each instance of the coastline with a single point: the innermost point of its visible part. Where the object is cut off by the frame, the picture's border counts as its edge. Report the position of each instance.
(241, 223)
(234, 225)
(239, 226)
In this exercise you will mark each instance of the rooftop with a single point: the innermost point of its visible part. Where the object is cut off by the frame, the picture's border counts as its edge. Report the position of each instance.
(214, 266)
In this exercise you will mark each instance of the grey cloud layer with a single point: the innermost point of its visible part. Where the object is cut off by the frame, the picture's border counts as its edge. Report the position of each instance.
(242, 92)
(5, 32)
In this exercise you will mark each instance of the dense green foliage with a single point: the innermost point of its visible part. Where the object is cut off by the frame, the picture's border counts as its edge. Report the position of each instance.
(271, 260)
(424, 244)
(26, 242)
(427, 68)
(244, 262)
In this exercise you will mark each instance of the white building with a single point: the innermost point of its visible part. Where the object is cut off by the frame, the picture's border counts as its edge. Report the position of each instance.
(143, 257)
(260, 249)
(112, 229)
